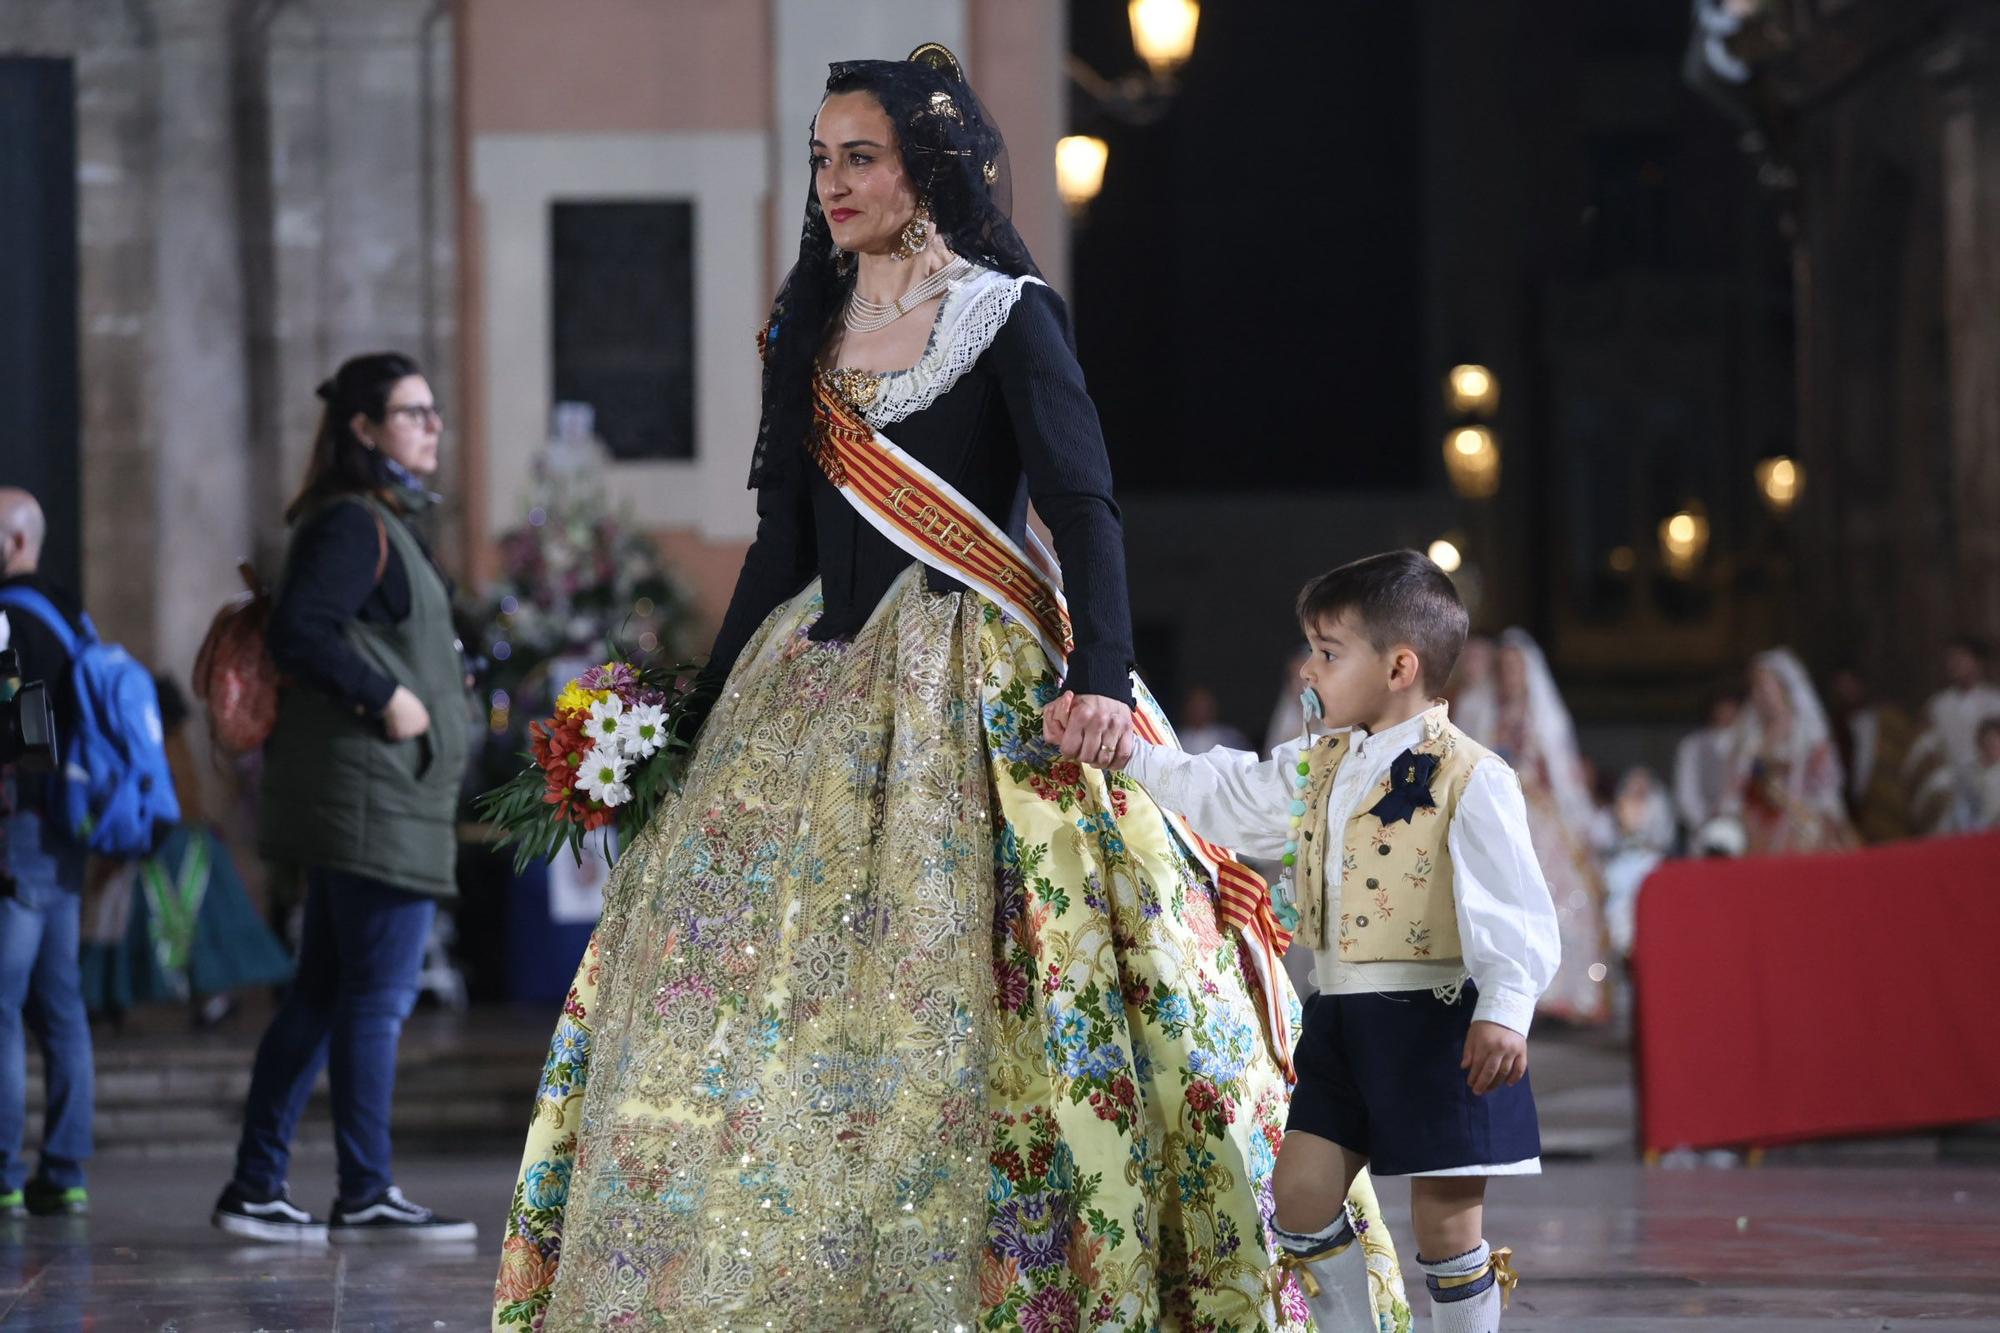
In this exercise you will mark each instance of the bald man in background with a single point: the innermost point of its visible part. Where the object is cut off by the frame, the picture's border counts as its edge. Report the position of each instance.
(41, 884)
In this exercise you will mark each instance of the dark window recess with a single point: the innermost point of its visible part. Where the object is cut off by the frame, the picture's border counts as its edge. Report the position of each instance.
(40, 402)
(622, 305)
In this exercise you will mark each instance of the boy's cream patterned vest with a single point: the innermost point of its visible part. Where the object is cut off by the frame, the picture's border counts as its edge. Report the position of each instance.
(1396, 901)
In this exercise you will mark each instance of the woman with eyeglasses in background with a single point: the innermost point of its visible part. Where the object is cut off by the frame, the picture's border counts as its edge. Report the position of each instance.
(359, 794)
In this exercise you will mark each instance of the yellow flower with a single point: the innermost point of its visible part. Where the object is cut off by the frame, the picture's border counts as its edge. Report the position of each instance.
(576, 700)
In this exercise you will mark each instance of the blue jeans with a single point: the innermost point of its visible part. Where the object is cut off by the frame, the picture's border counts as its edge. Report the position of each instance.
(40, 983)
(360, 951)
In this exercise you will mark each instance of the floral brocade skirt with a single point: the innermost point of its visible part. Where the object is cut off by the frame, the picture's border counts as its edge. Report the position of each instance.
(897, 1021)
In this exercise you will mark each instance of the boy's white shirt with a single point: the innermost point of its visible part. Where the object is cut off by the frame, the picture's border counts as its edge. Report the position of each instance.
(1506, 919)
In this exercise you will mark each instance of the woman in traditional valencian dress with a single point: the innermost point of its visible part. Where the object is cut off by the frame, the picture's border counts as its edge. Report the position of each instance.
(898, 1018)
(1532, 730)
(1787, 784)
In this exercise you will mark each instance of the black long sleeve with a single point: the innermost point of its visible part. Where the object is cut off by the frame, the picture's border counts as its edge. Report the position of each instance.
(329, 580)
(780, 561)
(1069, 478)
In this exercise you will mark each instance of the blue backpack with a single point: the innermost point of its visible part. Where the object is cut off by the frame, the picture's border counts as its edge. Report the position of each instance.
(115, 785)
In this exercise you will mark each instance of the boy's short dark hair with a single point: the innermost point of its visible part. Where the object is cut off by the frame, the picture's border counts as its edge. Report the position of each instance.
(1982, 652)
(1986, 725)
(1397, 597)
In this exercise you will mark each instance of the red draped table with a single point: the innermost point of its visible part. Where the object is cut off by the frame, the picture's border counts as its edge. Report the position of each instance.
(1789, 998)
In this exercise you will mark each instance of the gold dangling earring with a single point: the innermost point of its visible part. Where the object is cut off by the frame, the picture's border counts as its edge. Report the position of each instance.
(916, 235)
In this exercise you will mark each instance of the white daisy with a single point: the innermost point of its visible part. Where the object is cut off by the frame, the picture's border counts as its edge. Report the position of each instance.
(602, 726)
(602, 777)
(642, 730)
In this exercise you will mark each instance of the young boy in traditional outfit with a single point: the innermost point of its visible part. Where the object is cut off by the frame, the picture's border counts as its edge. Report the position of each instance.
(1432, 929)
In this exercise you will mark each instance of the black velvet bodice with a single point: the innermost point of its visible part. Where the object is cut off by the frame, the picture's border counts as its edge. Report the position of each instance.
(1017, 425)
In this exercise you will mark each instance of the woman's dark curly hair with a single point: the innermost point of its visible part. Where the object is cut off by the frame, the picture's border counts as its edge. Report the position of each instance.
(957, 162)
(341, 464)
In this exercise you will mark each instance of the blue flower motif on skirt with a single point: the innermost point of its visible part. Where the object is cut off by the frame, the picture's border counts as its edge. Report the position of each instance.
(1262, 1159)
(571, 1043)
(546, 1185)
(1105, 827)
(1068, 1031)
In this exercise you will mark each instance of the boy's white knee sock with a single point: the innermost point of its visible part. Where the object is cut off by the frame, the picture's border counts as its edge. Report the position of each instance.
(1332, 1268)
(1468, 1292)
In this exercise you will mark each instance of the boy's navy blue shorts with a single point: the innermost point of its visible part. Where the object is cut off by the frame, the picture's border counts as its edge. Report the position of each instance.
(1379, 1075)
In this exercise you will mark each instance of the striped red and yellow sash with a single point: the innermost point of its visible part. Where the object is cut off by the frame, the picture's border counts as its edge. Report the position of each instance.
(928, 518)
(1246, 898)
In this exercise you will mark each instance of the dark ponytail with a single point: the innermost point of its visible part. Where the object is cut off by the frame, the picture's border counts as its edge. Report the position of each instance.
(341, 464)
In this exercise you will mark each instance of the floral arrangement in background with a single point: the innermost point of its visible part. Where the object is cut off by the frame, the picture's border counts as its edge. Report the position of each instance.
(573, 576)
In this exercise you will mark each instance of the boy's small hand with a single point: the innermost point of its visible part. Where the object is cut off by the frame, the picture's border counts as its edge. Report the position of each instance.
(1494, 1055)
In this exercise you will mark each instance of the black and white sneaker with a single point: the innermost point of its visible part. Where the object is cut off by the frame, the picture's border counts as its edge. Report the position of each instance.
(276, 1218)
(389, 1216)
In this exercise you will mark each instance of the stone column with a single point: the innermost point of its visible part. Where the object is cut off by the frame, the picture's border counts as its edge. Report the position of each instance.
(198, 394)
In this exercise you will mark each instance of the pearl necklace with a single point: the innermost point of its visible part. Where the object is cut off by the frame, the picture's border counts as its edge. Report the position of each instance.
(866, 316)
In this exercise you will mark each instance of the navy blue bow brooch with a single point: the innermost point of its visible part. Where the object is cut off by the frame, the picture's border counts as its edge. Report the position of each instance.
(1409, 788)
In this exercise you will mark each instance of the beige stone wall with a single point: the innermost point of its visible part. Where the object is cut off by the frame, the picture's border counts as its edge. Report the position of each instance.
(264, 189)
(607, 66)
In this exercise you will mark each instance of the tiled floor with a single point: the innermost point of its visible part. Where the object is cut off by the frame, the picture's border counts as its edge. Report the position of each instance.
(1895, 1239)
(1609, 1246)
(148, 1260)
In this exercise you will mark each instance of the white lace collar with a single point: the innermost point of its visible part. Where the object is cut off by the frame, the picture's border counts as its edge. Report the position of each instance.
(972, 314)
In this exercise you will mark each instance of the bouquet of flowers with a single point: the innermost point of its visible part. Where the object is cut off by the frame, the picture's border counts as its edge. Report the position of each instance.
(610, 754)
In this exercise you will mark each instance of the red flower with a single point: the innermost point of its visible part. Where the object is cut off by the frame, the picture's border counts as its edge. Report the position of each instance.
(1122, 1089)
(1039, 1158)
(569, 808)
(1105, 1107)
(557, 746)
(1012, 983)
(1120, 801)
(1201, 1094)
(1010, 1165)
